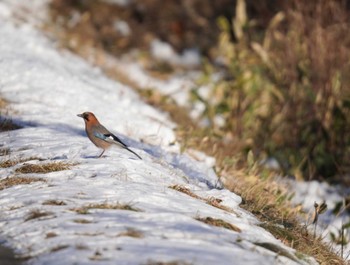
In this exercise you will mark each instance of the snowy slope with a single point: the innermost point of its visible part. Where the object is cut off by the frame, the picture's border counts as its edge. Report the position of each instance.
(46, 89)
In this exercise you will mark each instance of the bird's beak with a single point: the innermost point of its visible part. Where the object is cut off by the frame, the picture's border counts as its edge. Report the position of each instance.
(80, 115)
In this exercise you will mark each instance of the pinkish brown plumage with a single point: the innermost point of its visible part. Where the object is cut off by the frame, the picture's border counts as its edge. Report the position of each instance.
(99, 135)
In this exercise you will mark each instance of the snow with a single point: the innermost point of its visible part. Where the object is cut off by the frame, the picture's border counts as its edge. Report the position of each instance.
(122, 27)
(46, 88)
(119, 2)
(165, 52)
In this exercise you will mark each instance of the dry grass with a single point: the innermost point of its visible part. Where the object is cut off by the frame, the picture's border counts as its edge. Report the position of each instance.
(215, 202)
(6, 124)
(4, 151)
(59, 247)
(43, 168)
(185, 190)
(11, 163)
(297, 237)
(8, 163)
(54, 202)
(269, 202)
(82, 221)
(219, 223)
(14, 181)
(36, 213)
(131, 232)
(51, 234)
(108, 206)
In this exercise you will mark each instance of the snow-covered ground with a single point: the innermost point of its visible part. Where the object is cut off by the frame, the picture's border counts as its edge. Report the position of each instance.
(46, 88)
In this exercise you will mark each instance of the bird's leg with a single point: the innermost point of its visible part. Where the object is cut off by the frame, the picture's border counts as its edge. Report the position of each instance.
(101, 153)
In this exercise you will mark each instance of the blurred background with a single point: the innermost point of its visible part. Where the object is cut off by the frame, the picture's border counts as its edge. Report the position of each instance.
(272, 77)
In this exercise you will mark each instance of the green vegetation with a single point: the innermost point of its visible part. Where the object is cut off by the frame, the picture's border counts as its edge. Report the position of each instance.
(286, 91)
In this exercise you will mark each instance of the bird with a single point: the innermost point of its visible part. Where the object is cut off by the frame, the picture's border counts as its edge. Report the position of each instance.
(99, 135)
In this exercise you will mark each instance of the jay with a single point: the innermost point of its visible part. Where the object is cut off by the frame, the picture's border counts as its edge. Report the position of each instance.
(99, 135)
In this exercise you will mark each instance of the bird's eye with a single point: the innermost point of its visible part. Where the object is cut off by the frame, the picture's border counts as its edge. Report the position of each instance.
(86, 117)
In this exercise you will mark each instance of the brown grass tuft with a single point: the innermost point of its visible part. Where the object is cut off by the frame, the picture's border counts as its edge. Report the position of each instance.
(13, 181)
(4, 151)
(109, 206)
(219, 223)
(269, 202)
(82, 221)
(11, 163)
(54, 202)
(185, 190)
(43, 168)
(131, 232)
(8, 125)
(51, 234)
(36, 213)
(215, 202)
(8, 163)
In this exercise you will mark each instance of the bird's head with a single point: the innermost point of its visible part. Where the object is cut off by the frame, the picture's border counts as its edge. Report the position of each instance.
(88, 117)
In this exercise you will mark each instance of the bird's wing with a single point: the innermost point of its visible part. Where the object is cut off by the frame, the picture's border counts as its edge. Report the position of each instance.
(109, 137)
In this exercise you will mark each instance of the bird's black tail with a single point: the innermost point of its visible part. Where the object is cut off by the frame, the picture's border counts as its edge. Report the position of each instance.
(133, 152)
